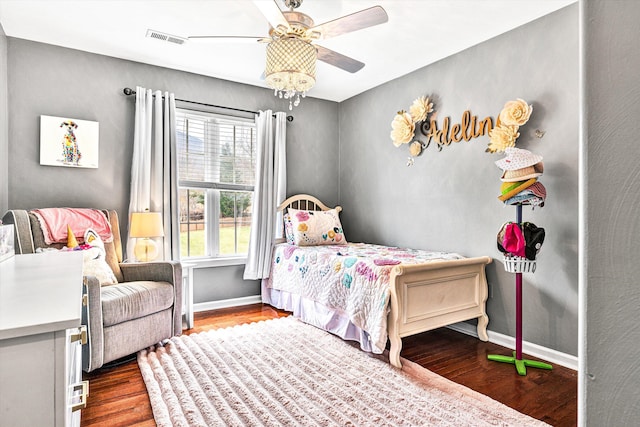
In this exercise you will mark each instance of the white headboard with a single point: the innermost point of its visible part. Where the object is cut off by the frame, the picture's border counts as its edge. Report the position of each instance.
(305, 202)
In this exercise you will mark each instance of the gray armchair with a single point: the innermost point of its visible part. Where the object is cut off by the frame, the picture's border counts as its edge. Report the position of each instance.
(143, 308)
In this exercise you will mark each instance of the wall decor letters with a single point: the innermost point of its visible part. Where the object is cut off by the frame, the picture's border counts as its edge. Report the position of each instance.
(468, 128)
(502, 135)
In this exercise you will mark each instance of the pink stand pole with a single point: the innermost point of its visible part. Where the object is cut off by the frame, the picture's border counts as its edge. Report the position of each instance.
(519, 316)
(519, 298)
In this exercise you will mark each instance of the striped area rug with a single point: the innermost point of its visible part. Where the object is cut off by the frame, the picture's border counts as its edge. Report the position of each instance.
(283, 372)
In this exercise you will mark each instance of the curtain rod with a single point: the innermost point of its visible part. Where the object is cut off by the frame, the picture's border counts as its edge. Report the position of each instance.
(128, 91)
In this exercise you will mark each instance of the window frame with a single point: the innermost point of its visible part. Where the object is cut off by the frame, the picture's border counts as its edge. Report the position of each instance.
(212, 192)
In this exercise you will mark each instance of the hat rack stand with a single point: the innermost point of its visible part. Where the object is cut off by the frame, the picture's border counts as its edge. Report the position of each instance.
(516, 359)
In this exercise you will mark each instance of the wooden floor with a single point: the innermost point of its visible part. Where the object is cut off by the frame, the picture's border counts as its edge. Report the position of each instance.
(117, 395)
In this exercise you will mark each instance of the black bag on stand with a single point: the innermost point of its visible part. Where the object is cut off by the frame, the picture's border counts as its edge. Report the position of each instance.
(533, 237)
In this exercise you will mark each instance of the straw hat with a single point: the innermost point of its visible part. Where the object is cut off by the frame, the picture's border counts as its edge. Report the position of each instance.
(523, 174)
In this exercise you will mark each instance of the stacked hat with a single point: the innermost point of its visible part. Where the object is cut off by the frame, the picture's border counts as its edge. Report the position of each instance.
(520, 184)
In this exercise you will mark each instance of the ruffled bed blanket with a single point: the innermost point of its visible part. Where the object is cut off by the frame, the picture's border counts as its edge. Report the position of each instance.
(328, 285)
(54, 222)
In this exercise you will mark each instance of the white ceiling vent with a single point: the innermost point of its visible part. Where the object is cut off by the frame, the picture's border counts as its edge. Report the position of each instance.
(165, 37)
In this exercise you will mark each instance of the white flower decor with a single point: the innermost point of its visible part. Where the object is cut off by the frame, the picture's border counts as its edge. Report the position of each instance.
(420, 109)
(502, 137)
(513, 115)
(415, 148)
(402, 128)
(404, 125)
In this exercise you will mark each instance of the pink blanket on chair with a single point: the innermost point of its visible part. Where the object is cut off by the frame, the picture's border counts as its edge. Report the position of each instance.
(54, 223)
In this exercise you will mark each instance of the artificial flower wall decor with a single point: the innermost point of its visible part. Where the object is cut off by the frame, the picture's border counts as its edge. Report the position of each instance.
(403, 127)
(421, 116)
(513, 115)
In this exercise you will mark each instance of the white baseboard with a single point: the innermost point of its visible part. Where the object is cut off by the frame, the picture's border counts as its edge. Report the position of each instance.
(233, 302)
(535, 350)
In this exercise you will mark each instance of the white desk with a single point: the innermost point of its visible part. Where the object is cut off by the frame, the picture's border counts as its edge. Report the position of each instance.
(40, 351)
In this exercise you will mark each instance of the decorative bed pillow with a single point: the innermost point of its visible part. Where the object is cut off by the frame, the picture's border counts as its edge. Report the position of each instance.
(312, 228)
(288, 229)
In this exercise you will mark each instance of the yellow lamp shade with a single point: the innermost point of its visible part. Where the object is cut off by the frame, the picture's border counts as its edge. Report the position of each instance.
(146, 224)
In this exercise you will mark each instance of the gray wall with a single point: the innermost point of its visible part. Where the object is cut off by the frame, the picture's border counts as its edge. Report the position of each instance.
(4, 135)
(448, 199)
(384, 201)
(49, 80)
(610, 374)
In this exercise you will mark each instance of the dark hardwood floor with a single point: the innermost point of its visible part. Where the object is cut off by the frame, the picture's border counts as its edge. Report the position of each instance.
(118, 397)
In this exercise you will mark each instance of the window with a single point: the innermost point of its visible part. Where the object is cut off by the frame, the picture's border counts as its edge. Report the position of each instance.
(216, 176)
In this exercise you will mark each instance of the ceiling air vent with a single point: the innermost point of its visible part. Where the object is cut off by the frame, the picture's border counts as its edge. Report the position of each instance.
(165, 37)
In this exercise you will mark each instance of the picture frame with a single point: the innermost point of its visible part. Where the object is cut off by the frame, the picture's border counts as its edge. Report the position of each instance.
(69, 142)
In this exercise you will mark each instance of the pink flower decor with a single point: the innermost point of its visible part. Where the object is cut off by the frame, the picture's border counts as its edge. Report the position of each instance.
(288, 251)
(364, 270)
(302, 215)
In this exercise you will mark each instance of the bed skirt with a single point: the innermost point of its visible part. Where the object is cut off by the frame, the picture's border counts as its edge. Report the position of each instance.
(318, 315)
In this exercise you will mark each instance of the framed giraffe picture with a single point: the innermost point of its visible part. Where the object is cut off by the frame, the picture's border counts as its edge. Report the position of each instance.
(69, 142)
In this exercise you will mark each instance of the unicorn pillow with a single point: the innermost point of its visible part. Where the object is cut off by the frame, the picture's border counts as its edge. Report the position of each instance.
(94, 263)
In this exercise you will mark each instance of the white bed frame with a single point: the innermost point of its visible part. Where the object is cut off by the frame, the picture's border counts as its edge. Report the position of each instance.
(425, 296)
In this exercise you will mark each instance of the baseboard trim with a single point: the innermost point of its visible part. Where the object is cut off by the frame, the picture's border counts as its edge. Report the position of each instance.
(535, 350)
(232, 302)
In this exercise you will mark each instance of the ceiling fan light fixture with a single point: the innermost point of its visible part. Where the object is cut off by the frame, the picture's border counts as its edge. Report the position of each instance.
(291, 68)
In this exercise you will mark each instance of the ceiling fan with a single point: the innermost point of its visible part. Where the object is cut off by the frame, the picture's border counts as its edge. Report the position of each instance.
(292, 50)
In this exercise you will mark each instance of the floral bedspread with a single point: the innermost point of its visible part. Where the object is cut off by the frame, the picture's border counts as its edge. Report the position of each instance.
(352, 278)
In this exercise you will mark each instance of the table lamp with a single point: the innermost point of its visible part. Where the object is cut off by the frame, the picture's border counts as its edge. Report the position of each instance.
(144, 226)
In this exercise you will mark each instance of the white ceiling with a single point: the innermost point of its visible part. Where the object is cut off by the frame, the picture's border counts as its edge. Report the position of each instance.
(419, 32)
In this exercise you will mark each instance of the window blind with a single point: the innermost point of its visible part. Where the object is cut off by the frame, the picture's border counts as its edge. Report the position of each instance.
(215, 152)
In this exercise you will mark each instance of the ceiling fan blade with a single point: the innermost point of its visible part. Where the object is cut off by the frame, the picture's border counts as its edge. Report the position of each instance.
(228, 39)
(356, 21)
(339, 60)
(272, 12)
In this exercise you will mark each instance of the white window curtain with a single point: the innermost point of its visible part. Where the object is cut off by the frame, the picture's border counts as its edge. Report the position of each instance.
(269, 192)
(154, 168)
